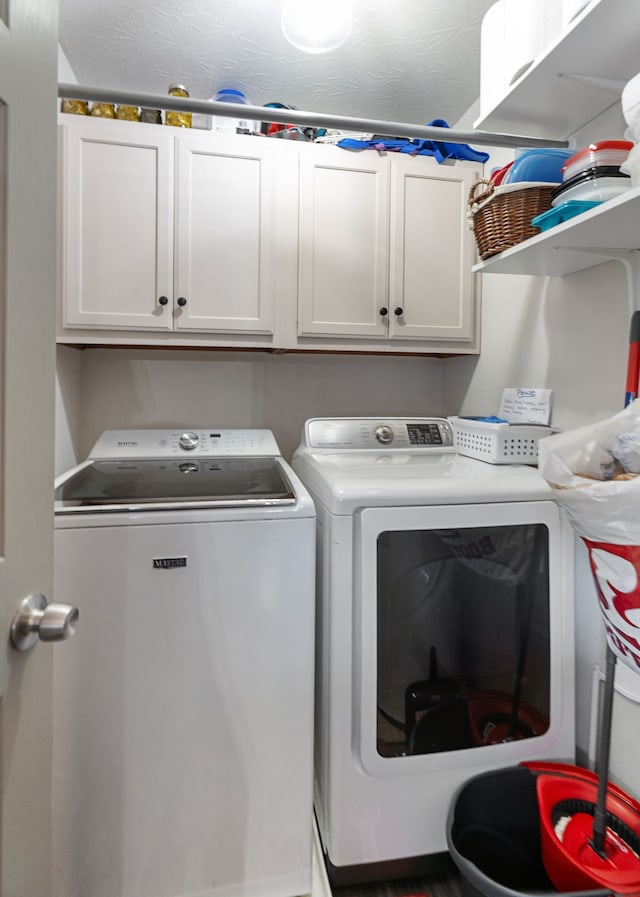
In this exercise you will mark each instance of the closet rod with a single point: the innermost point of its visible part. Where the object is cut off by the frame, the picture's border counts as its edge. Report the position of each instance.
(297, 117)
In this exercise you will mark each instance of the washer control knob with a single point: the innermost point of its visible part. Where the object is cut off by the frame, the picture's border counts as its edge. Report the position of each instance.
(384, 435)
(188, 441)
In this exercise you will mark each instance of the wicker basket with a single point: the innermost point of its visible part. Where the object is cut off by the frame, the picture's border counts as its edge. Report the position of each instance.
(502, 216)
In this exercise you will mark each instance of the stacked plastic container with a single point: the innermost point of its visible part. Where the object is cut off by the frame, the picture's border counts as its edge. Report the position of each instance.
(592, 175)
(223, 124)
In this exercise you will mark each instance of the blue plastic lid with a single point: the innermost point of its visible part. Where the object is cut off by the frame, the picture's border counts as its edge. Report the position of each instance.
(564, 212)
(229, 95)
(543, 164)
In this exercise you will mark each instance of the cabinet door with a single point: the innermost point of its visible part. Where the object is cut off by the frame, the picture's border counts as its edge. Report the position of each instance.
(432, 251)
(117, 226)
(225, 234)
(343, 251)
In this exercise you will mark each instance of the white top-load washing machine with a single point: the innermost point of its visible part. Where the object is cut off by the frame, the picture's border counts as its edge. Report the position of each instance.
(444, 632)
(183, 709)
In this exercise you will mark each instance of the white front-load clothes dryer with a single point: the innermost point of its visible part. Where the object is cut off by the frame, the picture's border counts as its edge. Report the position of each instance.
(444, 632)
(183, 709)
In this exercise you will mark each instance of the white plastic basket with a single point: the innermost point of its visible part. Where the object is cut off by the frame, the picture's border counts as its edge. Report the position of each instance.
(497, 443)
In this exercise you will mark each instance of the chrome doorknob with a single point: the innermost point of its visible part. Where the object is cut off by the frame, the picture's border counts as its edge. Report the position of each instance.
(37, 619)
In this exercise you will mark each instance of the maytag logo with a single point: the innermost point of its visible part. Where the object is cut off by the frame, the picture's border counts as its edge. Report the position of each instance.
(127, 442)
(168, 563)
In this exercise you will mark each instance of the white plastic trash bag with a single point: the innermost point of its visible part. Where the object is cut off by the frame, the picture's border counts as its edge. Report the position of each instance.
(595, 475)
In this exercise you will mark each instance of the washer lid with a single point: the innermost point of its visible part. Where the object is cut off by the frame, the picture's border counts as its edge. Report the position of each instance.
(151, 485)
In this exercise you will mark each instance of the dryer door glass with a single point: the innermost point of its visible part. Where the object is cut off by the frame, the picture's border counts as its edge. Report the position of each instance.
(463, 638)
(458, 616)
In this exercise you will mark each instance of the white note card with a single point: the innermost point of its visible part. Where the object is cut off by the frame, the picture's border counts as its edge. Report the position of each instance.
(526, 406)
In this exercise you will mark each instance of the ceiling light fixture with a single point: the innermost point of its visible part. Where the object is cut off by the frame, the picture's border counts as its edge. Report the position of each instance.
(316, 26)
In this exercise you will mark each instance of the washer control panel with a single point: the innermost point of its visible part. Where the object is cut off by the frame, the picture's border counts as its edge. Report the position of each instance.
(203, 442)
(359, 433)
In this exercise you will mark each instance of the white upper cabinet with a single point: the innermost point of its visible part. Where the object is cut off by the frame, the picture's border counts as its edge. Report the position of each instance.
(183, 238)
(575, 78)
(166, 232)
(117, 227)
(385, 249)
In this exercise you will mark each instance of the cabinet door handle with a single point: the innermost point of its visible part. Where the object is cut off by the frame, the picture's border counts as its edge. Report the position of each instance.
(384, 311)
(398, 311)
(163, 300)
(182, 302)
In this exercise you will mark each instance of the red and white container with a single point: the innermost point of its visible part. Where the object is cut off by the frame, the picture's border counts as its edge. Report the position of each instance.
(606, 153)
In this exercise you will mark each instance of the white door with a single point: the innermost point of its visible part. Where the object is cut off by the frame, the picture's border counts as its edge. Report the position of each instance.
(344, 244)
(117, 225)
(28, 48)
(431, 288)
(225, 234)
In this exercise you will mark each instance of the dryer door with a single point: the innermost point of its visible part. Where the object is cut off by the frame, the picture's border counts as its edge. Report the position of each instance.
(463, 626)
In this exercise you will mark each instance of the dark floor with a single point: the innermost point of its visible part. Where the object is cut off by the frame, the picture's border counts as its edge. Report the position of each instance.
(443, 881)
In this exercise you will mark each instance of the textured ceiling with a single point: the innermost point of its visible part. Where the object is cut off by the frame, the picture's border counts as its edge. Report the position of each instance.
(406, 60)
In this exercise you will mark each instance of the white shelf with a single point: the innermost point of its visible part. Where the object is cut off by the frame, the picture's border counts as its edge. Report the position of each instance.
(601, 43)
(602, 233)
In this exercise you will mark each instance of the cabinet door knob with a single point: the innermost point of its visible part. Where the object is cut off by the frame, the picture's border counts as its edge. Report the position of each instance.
(384, 311)
(398, 311)
(182, 302)
(163, 300)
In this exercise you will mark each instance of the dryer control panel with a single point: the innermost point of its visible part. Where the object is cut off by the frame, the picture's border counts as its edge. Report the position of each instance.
(359, 433)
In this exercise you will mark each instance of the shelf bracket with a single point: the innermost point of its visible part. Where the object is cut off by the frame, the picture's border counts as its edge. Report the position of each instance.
(631, 261)
(609, 84)
(630, 258)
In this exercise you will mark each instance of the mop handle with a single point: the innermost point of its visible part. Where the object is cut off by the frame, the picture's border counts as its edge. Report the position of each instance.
(604, 745)
(604, 730)
(633, 360)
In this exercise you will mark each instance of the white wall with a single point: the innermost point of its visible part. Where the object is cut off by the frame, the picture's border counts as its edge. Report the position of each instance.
(66, 75)
(123, 388)
(69, 410)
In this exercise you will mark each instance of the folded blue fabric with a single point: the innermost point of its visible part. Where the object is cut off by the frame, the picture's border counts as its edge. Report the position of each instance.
(492, 419)
(440, 150)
